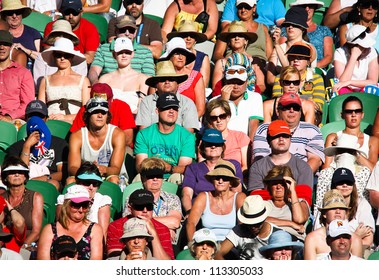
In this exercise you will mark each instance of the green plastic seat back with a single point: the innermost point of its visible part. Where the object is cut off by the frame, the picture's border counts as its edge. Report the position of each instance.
(37, 21)
(8, 134)
(100, 23)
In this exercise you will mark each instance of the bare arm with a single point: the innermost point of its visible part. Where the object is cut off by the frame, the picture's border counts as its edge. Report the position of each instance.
(195, 214)
(253, 125)
(37, 216)
(330, 139)
(42, 90)
(118, 154)
(314, 161)
(244, 165)
(158, 250)
(375, 129)
(225, 248)
(18, 221)
(169, 20)
(156, 48)
(372, 156)
(187, 195)
(213, 19)
(260, 82)
(44, 243)
(102, 7)
(94, 74)
(96, 243)
(328, 53)
(171, 220)
(217, 73)
(332, 16)
(310, 246)
(74, 160)
(205, 70)
(268, 110)
(342, 34)
(219, 49)
(139, 159)
(104, 216)
(200, 97)
(269, 46)
(90, 55)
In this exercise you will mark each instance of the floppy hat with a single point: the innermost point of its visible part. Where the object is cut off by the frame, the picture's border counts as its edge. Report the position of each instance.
(346, 143)
(278, 127)
(357, 34)
(188, 28)
(254, 210)
(319, 4)
(279, 239)
(36, 106)
(251, 3)
(337, 228)
(73, 5)
(165, 70)
(102, 88)
(237, 28)
(224, 168)
(77, 194)
(167, 100)
(61, 26)
(135, 227)
(141, 197)
(341, 175)
(63, 45)
(14, 5)
(6, 37)
(97, 103)
(177, 44)
(233, 73)
(212, 135)
(296, 16)
(5, 236)
(203, 235)
(289, 98)
(64, 244)
(333, 199)
(123, 43)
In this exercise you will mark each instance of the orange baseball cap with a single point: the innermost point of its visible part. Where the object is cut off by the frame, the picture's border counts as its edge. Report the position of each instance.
(278, 127)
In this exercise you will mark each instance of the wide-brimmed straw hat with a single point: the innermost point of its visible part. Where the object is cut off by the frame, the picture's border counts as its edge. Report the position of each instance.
(188, 28)
(14, 5)
(165, 70)
(346, 143)
(333, 199)
(254, 210)
(224, 168)
(237, 28)
(177, 45)
(280, 239)
(63, 45)
(61, 27)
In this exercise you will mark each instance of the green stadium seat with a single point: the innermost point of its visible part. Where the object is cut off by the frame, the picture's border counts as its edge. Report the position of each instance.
(8, 134)
(340, 125)
(59, 128)
(100, 23)
(114, 191)
(184, 255)
(37, 20)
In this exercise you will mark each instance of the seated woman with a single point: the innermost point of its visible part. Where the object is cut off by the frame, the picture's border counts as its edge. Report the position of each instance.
(203, 245)
(167, 207)
(65, 91)
(289, 80)
(289, 212)
(311, 85)
(29, 204)
(73, 222)
(193, 87)
(88, 175)
(356, 62)
(217, 209)
(188, 31)
(238, 38)
(127, 84)
(211, 149)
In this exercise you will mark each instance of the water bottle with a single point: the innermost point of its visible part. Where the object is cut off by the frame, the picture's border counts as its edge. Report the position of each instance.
(122, 183)
(52, 15)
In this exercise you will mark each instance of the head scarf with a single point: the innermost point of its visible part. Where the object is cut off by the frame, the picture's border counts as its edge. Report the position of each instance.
(242, 59)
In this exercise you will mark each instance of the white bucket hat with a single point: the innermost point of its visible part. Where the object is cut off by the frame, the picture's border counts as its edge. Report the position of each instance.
(63, 45)
(177, 44)
(346, 143)
(254, 210)
(357, 35)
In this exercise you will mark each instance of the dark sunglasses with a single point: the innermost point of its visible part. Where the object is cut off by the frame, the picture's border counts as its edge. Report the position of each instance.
(99, 111)
(296, 57)
(83, 205)
(71, 12)
(224, 178)
(158, 176)
(207, 144)
(130, 2)
(294, 107)
(289, 82)
(71, 255)
(244, 6)
(233, 36)
(149, 207)
(88, 183)
(233, 71)
(235, 82)
(221, 116)
(11, 13)
(362, 35)
(373, 4)
(175, 108)
(62, 54)
(348, 183)
(280, 135)
(130, 29)
(351, 111)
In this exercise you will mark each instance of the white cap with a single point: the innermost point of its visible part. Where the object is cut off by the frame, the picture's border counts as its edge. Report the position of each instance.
(251, 3)
(203, 235)
(123, 43)
(357, 35)
(240, 76)
(337, 228)
(77, 194)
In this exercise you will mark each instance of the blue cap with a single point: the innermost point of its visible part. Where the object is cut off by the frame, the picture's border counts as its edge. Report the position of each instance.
(212, 135)
(73, 5)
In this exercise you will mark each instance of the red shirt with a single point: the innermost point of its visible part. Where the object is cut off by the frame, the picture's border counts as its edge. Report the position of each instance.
(89, 38)
(17, 240)
(116, 230)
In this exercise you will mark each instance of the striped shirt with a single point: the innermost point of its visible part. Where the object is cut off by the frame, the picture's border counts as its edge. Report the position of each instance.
(142, 60)
(306, 138)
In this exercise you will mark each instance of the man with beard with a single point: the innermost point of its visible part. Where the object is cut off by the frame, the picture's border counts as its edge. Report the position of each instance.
(98, 142)
(89, 39)
(279, 140)
(148, 30)
(166, 140)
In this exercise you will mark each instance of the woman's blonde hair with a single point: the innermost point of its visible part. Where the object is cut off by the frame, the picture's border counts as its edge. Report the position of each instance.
(288, 71)
(152, 163)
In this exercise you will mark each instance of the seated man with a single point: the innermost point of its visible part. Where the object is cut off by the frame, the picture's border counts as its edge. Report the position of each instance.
(166, 140)
(98, 142)
(45, 154)
(167, 80)
(279, 140)
(306, 141)
(141, 205)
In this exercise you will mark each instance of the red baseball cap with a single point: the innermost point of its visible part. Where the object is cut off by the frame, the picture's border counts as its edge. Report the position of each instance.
(278, 127)
(102, 88)
(289, 98)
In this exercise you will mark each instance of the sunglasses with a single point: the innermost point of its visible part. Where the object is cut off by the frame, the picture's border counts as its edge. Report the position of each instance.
(295, 107)
(130, 2)
(280, 135)
(88, 183)
(71, 255)
(224, 178)
(256, 225)
(149, 207)
(233, 71)
(130, 29)
(221, 116)
(348, 183)
(296, 57)
(351, 111)
(84, 205)
(157, 176)
(373, 4)
(98, 111)
(11, 13)
(71, 12)
(289, 82)
(244, 6)
(175, 108)
(362, 35)
(235, 82)
(207, 144)
(62, 54)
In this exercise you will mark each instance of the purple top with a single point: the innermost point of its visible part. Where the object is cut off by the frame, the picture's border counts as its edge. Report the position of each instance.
(194, 177)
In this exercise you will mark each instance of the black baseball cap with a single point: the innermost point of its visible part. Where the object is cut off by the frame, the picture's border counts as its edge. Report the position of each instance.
(167, 100)
(342, 175)
(141, 197)
(36, 106)
(64, 245)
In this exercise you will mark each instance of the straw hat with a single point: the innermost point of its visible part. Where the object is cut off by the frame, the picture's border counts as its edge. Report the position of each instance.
(14, 5)
(333, 199)
(63, 45)
(224, 168)
(135, 227)
(61, 27)
(188, 28)
(237, 28)
(175, 45)
(165, 69)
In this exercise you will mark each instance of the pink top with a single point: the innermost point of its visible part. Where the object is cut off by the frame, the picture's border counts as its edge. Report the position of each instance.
(234, 142)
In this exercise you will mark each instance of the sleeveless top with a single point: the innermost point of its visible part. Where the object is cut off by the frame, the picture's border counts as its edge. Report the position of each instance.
(365, 147)
(187, 88)
(84, 248)
(199, 60)
(64, 99)
(219, 224)
(25, 209)
(182, 15)
(129, 97)
(104, 153)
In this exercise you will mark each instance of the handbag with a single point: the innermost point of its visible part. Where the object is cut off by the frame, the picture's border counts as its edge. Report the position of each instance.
(203, 17)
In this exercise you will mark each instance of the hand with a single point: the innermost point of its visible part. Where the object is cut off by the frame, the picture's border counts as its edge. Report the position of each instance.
(150, 227)
(356, 52)
(291, 183)
(138, 255)
(226, 91)
(102, 168)
(363, 231)
(340, 85)
(299, 228)
(32, 139)
(19, 46)
(276, 35)
(5, 118)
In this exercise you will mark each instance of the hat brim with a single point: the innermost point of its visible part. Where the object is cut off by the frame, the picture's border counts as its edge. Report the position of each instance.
(179, 78)
(199, 37)
(335, 150)
(190, 56)
(225, 36)
(297, 246)
(91, 176)
(48, 57)
(5, 236)
(367, 42)
(79, 199)
(50, 39)
(16, 168)
(131, 235)
(333, 206)
(256, 220)
(25, 13)
(294, 24)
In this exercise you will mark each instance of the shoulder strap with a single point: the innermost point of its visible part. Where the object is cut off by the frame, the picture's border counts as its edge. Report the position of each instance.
(177, 3)
(205, 5)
